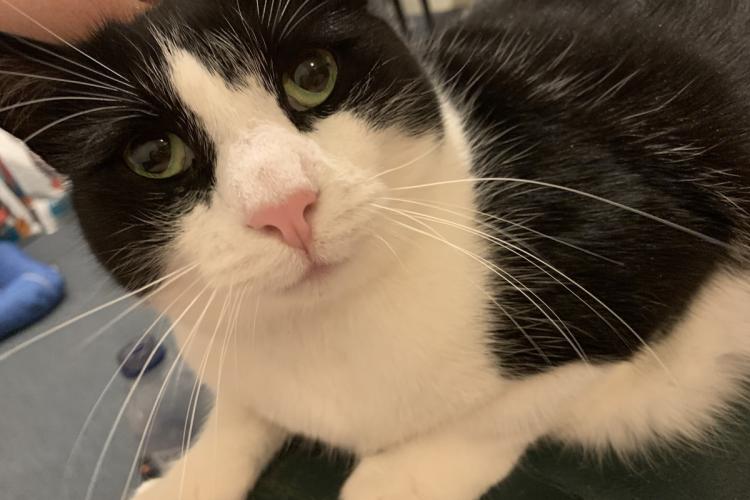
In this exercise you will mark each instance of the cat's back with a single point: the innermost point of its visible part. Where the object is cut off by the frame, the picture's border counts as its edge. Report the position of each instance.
(717, 30)
(671, 72)
(711, 21)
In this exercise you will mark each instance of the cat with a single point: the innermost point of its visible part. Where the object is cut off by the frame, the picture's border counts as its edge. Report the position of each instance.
(533, 224)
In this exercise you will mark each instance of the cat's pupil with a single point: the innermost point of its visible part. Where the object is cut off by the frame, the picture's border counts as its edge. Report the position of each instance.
(313, 74)
(154, 155)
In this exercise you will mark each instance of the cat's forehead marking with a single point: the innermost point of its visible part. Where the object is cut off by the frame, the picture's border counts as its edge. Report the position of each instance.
(224, 110)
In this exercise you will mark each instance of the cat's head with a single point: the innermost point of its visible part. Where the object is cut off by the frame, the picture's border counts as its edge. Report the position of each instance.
(249, 139)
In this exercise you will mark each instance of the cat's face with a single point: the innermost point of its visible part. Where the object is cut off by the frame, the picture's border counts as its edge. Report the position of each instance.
(249, 139)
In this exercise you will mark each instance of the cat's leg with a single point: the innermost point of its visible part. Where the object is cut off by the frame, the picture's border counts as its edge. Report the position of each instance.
(226, 460)
(457, 463)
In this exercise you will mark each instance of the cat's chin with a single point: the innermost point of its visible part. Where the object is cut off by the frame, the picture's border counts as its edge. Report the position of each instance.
(317, 280)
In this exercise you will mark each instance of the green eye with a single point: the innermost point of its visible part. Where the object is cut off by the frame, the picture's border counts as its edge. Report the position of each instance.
(312, 81)
(158, 156)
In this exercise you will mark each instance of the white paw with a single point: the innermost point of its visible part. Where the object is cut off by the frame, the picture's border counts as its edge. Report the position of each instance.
(146, 491)
(377, 478)
(174, 488)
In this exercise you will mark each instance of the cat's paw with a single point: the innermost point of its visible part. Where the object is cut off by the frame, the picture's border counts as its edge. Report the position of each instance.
(148, 490)
(377, 478)
(190, 489)
(374, 486)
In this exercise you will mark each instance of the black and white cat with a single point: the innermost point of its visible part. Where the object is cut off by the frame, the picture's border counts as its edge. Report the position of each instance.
(535, 225)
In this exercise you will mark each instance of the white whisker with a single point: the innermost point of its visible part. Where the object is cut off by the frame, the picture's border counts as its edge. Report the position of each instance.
(69, 71)
(528, 294)
(150, 420)
(240, 301)
(123, 80)
(131, 392)
(291, 25)
(178, 361)
(220, 374)
(53, 99)
(54, 79)
(440, 206)
(409, 163)
(52, 331)
(530, 257)
(280, 16)
(139, 303)
(199, 385)
(90, 417)
(636, 211)
(71, 117)
(390, 249)
(502, 309)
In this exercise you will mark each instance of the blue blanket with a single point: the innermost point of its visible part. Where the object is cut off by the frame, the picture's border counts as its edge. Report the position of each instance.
(29, 290)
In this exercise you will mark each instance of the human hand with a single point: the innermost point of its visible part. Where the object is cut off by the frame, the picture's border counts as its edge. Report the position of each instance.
(68, 19)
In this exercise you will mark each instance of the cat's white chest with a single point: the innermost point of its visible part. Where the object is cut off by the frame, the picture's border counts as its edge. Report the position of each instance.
(363, 386)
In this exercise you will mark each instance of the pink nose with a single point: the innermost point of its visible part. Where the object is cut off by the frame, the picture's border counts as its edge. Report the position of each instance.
(287, 219)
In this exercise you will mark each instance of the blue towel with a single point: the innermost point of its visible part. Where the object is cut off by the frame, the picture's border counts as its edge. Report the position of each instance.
(29, 290)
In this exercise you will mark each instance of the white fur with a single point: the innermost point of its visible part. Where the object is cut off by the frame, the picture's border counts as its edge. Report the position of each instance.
(387, 356)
